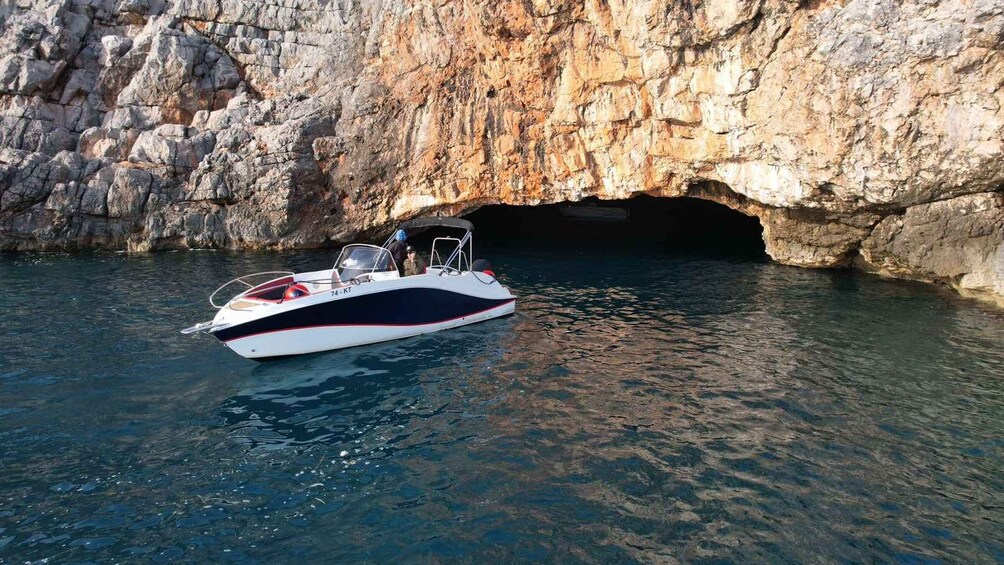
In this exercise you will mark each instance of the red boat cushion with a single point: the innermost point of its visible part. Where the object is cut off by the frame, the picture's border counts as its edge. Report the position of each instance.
(295, 291)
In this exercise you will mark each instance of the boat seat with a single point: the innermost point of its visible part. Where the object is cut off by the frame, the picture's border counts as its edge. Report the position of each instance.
(248, 304)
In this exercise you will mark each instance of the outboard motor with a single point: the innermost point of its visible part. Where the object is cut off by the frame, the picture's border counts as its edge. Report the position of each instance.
(483, 266)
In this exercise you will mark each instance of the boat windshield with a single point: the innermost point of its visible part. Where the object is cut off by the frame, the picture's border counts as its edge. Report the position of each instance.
(360, 259)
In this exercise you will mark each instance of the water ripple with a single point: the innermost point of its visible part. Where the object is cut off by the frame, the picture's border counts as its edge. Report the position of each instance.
(638, 408)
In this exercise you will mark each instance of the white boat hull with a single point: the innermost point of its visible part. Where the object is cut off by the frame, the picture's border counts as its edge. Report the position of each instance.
(335, 317)
(300, 341)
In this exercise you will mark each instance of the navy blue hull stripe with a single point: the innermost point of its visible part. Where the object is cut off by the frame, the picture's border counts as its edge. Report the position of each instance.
(402, 307)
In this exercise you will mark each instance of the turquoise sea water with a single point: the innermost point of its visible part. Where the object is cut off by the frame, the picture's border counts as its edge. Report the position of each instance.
(641, 406)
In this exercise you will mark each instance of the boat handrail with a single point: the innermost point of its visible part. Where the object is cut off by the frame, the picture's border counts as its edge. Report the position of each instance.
(458, 254)
(460, 259)
(434, 253)
(241, 279)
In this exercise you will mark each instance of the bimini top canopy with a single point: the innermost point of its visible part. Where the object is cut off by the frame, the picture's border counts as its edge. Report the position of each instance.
(436, 221)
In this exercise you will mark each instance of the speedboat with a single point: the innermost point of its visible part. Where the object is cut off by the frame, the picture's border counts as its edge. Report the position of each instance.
(361, 300)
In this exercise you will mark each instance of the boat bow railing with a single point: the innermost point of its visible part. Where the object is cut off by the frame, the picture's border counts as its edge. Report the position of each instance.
(246, 280)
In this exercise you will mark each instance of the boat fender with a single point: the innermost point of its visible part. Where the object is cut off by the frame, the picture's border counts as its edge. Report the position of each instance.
(295, 291)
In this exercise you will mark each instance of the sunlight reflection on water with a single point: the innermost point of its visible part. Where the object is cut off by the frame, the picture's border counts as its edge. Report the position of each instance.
(636, 408)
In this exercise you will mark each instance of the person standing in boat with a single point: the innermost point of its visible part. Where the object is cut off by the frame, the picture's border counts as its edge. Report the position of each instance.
(414, 264)
(398, 251)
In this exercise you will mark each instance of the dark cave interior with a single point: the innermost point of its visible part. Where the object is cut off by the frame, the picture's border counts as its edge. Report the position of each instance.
(678, 225)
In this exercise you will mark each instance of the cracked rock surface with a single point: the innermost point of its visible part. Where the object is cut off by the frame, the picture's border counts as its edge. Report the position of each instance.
(865, 132)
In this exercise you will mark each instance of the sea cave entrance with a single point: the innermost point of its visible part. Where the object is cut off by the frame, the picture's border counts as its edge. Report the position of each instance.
(682, 225)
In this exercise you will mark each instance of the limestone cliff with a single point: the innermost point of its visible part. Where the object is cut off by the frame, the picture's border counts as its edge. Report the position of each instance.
(866, 132)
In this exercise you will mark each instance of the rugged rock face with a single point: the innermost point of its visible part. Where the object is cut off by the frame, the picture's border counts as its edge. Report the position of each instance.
(866, 132)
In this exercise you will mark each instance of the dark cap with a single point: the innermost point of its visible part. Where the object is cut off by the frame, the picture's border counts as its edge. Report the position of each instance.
(410, 249)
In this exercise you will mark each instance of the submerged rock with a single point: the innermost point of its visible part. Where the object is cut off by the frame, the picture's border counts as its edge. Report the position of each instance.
(860, 133)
